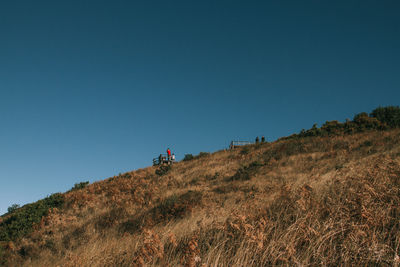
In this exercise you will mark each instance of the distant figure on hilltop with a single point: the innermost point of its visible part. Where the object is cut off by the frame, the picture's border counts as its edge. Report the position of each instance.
(257, 140)
(262, 139)
(169, 153)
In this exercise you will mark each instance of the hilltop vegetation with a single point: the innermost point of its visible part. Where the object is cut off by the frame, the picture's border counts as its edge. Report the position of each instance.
(382, 118)
(326, 196)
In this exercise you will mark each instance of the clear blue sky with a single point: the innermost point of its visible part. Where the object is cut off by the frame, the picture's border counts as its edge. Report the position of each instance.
(90, 89)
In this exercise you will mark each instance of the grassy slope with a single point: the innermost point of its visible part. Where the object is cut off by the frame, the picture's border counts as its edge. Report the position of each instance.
(316, 200)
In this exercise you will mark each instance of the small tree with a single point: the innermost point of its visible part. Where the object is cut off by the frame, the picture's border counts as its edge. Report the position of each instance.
(13, 208)
(203, 154)
(80, 185)
(332, 127)
(389, 115)
(360, 116)
(188, 157)
(364, 122)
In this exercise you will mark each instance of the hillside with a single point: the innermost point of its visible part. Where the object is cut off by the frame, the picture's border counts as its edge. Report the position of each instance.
(312, 200)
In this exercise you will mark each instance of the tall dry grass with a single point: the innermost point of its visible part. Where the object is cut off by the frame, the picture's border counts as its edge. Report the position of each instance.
(312, 201)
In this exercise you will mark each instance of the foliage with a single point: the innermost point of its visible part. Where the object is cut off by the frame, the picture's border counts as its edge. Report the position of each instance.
(331, 127)
(318, 198)
(202, 154)
(389, 115)
(363, 122)
(380, 119)
(13, 208)
(21, 221)
(3, 260)
(360, 116)
(188, 157)
(163, 169)
(79, 186)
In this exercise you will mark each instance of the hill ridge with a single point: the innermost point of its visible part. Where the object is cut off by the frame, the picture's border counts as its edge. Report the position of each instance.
(262, 204)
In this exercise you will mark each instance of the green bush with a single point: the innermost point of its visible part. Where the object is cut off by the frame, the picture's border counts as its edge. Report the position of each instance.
(13, 208)
(20, 222)
(202, 154)
(188, 157)
(79, 186)
(389, 115)
(380, 119)
(360, 116)
(331, 128)
(314, 131)
(3, 261)
(363, 122)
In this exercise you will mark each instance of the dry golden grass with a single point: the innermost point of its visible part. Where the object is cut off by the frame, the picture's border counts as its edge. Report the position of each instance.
(313, 201)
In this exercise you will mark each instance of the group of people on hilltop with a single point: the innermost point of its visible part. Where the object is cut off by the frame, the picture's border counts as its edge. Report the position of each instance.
(170, 156)
(258, 140)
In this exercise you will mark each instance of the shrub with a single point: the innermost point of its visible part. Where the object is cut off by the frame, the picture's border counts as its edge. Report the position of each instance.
(163, 169)
(380, 119)
(13, 208)
(3, 261)
(188, 157)
(203, 154)
(314, 131)
(331, 127)
(363, 122)
(360, 116)
(389, 115)
(79, 186)
(21, 222)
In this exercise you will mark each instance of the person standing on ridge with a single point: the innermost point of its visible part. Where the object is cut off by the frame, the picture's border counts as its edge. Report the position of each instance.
(262, 139)
(169, 154)
(257, 140)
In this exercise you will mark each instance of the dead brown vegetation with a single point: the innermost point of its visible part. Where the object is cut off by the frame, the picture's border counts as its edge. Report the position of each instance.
(308, 201)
